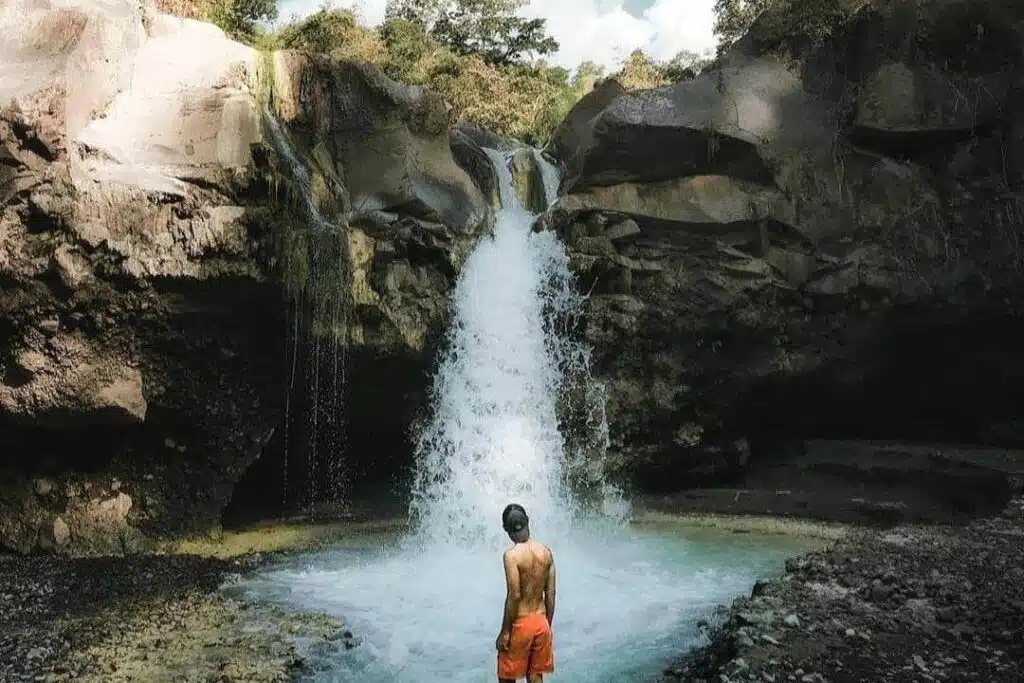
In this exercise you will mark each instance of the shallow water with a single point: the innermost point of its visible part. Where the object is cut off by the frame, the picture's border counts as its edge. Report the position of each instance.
(628, 601)
(427, 607)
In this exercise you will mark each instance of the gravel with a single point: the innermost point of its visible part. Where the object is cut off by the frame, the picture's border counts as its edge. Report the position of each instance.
(148, 619)
(904, 605)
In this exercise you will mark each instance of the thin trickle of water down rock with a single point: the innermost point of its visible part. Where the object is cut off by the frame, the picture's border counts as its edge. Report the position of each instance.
(313, 258)
(498, 398)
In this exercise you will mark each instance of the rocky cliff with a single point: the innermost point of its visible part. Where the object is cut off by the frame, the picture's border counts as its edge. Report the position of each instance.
(819, 237)
(221, 269)
(174, 271)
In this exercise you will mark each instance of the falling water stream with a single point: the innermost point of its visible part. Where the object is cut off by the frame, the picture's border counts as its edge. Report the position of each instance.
(314, 247)
(426, 604)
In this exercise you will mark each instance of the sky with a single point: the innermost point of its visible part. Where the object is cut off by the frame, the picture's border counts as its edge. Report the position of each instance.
(603, 31)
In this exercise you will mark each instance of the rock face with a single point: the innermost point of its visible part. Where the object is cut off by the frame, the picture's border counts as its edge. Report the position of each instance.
(393, 216)
(573, 135)
(388, 142)
(813, 239)
(155, 251)
(135, 389)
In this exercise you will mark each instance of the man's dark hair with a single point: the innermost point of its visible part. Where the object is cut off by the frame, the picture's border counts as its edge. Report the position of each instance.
(514, 518)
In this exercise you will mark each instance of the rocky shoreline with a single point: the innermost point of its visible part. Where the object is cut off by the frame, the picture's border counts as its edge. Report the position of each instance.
(158, 618)
(906, 604)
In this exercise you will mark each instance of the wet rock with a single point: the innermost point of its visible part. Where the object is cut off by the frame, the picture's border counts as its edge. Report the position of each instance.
(142, 619)
(354, 111)
(131, 271)
(471, 157)
(528, 180)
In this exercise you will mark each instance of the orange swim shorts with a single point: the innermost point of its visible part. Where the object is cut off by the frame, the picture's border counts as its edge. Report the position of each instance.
(530, 650)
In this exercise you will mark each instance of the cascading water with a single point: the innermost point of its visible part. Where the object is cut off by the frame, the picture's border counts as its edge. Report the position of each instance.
(316, 253)
(427, 607)
(495, 434)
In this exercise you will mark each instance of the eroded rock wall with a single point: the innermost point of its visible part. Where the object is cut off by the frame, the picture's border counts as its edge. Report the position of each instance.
(810, 239)
(173, 277)
(137, 386)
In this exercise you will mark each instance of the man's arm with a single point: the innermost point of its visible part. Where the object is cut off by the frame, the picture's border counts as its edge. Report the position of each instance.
(512, 594)
(549, 592)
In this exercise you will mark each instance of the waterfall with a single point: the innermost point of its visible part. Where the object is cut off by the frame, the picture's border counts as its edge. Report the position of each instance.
(298, 171)
(495, 435)
(313, 257)
(506, 193)
(549, 174)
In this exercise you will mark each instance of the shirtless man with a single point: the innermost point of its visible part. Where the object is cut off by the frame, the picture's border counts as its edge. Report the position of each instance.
(524, 643)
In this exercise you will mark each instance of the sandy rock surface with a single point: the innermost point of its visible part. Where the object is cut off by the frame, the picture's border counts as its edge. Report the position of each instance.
(155, 619)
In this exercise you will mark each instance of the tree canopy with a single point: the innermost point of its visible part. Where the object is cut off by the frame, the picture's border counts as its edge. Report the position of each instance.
(485, 60)
(489, 28)
(238, 18)
(734, 17)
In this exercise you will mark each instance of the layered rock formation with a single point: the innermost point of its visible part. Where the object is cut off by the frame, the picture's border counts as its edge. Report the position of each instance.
(134, 390)
(153, 240)
(219, 270)
(815, 238)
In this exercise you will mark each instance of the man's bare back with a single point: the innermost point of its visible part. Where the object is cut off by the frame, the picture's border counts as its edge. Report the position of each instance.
(534, 564)
(524, 643)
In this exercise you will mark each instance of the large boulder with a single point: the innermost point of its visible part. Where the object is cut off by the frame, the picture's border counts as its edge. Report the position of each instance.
(388, 141)
(164, 244)
(470, 155)
(573, 135)
(770, 245)
(128, 230)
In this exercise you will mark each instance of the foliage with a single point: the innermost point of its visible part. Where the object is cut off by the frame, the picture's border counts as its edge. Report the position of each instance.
(472, 52)
(423, 12)
(333, 32)
(790, 24)
(491, 29)
(685, 66)
(412, 53)
(641, 71)
(239, 18)
(734, 17)
(187, 9)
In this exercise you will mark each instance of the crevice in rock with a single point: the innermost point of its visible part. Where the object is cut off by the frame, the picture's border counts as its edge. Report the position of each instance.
(917, 421)
(36, 450)
(911, 145)
(638, 154)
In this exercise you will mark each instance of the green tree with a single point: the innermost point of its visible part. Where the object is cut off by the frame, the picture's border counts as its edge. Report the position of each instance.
(322, 31)
(685, 66)
(425, 12)
(641, 71)
(238, 18)
(331, 31)
(409, 48)
(734, 17)
(489, 28)
(790, 25)
(587, 74)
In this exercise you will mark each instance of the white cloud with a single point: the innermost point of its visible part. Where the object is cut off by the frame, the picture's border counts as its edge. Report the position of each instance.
(590, 29)
(599, 30)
